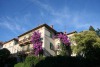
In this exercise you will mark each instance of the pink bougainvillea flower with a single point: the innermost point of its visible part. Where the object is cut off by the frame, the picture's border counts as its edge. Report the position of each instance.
(37, 43)
(64, 38)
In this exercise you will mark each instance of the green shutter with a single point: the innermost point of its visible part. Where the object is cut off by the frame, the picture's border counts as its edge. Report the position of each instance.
(41, 38)
(51, 46)
(16, 42)
(50, 35)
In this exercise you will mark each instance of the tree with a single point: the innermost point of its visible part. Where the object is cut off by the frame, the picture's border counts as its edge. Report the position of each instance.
(4, 53)
(98, 32)
(88, 45)
(91, 28)
(30, 61)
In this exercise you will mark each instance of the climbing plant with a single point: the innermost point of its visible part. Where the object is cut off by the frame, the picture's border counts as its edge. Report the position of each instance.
(65, 45)
(37, 43)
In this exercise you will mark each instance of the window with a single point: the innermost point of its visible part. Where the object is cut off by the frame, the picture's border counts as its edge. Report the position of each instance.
(41, 38)
(24, 39)
(50, 35)
(16, 42)
(58, 46)
(51, 46)
(30, 35)
(22, 48)
(28, 47)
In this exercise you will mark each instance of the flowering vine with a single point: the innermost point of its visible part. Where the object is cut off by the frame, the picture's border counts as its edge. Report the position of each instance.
(65, 45)
(37, 43)
(64, 39)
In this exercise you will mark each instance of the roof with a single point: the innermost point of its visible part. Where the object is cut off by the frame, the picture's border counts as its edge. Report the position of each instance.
(59, 32)
(38, 28)
(68, 33)
(1, 43)
(48, 27)
(11, 40)
(72, 32)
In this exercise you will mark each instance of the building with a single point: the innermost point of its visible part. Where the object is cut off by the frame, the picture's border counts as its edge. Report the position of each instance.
(12, 45)
(23, 42)
(1, 45)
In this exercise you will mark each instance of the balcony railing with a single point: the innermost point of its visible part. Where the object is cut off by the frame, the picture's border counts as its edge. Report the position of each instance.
(25, 41)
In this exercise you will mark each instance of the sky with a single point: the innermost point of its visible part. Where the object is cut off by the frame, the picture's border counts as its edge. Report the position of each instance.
(19, 16)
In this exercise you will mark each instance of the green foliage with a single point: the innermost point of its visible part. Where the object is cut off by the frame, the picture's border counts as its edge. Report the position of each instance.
(59, 61)
(5, 58)
(30, 61)
(65, 61)
(65, 50)
(91, 28)
(98, 32)
(73, 47)
(88, 44)
(19, 65)
(4, 53)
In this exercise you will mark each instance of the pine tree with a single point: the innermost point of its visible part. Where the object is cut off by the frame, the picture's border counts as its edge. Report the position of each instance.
(91, 28)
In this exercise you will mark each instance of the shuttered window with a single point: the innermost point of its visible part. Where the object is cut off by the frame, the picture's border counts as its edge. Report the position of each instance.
(51, 46)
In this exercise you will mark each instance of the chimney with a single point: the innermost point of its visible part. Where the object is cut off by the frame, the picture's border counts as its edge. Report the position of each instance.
(51, 26)
(65, 32)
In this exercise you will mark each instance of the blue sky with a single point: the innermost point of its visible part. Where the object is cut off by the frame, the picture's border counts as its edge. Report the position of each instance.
(19, 16)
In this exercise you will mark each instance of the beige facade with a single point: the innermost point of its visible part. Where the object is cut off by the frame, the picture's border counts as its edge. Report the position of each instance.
(48, 42)
(70, 35)
(50, 45)
(12, 46)
(24, 40)
(46, 39)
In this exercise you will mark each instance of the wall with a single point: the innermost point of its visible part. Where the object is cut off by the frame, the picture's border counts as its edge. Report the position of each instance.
(41, 30)
(1, 46)
(57, 46)
(70, 37)
(47, 41)
(12, 47)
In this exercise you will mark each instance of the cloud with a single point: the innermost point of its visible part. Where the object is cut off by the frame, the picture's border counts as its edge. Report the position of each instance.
(8, 26)
(15, 24)
(78, 20)
(64, 17)
(58, 16)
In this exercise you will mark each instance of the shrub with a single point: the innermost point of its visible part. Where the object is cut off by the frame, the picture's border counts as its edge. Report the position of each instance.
(63, 61)
(19, 65)
(11, 61)
(30, 61)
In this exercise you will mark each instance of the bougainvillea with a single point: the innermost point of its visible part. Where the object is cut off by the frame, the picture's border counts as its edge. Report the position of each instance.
(65, 45)
(64, 39)
(37, 43)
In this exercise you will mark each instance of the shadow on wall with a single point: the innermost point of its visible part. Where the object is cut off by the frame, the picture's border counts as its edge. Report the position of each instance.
(46, 53)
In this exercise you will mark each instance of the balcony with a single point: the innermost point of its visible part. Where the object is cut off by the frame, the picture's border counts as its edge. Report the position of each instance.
(25, 41)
